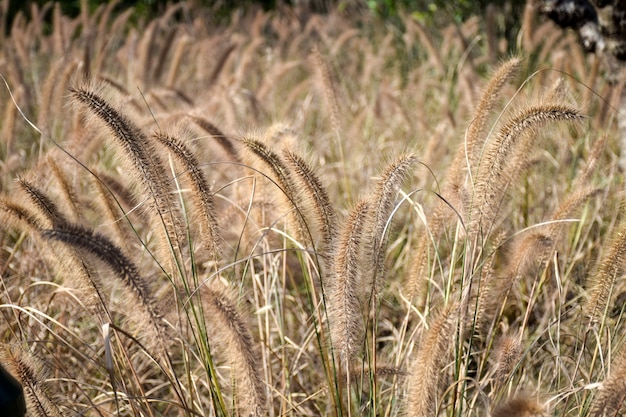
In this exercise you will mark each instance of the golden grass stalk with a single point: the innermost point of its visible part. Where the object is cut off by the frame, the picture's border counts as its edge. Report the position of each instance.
(466, 158)
(145, 52)
(428, 367)
(202, 196)
(164, 50)
(231, 329)
(45, 100)
(382, 204)
(220, 63)
(427, 42)
(344, 313)
(179, 52)
(30, 374)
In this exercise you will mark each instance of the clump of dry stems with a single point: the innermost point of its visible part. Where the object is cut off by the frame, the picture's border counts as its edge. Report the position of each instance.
(296, 214)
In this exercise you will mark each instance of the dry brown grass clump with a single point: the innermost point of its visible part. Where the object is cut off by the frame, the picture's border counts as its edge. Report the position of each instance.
(305, 215)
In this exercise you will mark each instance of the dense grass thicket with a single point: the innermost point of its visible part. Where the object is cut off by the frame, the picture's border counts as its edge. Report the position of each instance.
(305, 215)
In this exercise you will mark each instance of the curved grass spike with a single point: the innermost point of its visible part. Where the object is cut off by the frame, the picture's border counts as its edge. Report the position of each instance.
(220, 63)
(63, 260)
(520, 405)
(330, 90)
(232, 329)
(469, 150)
(43, 204)
(109, 209)
(11, 212)
(382, 204)
(600, 287)
(345, 313)
(530, 253)
(201, 194)
(179, 52)
(223, 140)
(317, 197)
(102, 248)
(425, 371)
(501, 156)
(29, 372)
(508, 352)
(611, 398)
(69, 197)
(281, 175)
(141, 154)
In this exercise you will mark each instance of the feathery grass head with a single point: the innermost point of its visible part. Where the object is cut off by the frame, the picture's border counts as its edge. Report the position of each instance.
(501, 158)
(521, 405)
(229, 327)
(125, 270)
(29, 372)
(345, 286)
(428, 367)
(611, 398)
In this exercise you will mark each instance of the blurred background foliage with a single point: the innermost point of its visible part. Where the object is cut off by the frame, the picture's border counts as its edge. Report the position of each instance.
(428, 10)
(506, 16)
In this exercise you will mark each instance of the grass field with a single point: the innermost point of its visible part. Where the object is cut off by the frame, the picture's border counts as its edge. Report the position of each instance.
(309, 215)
